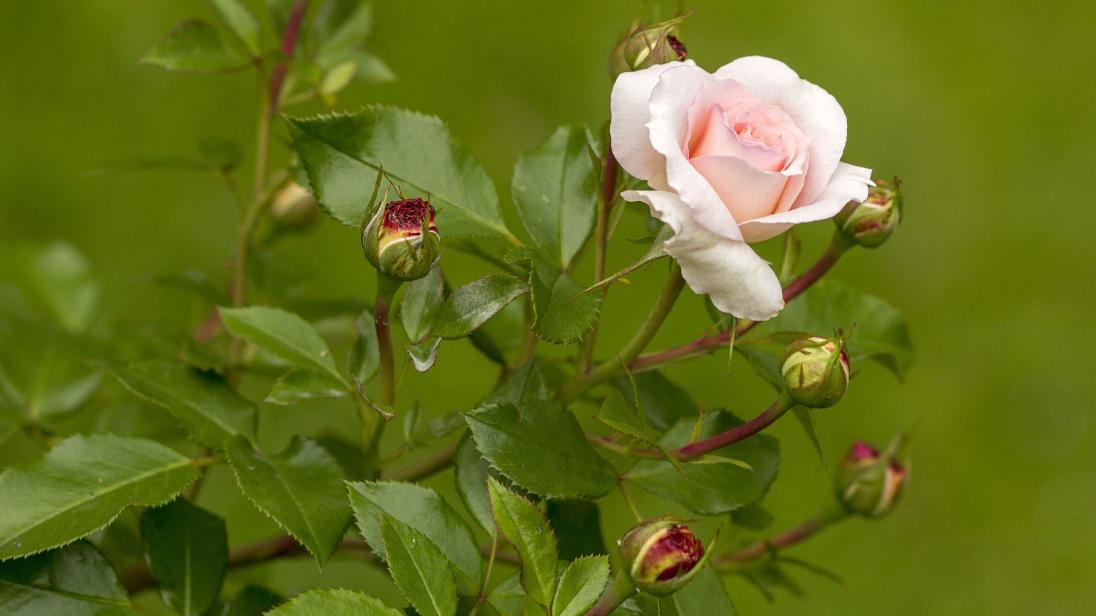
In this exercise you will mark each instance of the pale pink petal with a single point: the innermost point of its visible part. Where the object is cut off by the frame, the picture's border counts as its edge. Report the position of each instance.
(849, 183)
(739, 282)
(747, 191)
(817, 114)
(628, 124)
(671, 100)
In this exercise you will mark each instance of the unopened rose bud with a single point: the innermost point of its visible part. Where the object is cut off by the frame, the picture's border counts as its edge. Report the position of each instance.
(647, 45)
(662, 555)
(293, 208)
(402, 240)
(870, 223)
(816, 371)
(868, 483)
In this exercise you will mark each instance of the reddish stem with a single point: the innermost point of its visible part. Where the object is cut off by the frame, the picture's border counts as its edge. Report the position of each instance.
(715, 341)
(710, 444)
(779, 542)
(289, 41)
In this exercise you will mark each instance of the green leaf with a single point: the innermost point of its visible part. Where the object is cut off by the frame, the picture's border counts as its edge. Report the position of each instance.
(363, 361)
(555, 192)
(49, 377)
(210, 411)
(706, 486)
(564, 313)
(524, 385)
(284, 335)
(334, 602)
(509, 599)
(655, 251)
(76, 580)
(373, 70)
(57, 278)
(524, 525)
(421, 300)
(662, 401)
(195, 46)
(422, 509)
(472, 305)
(300, 385)
(80, 486)
(878, 329)
(240, 21)
(341, 26)
(251, 601)
(423, 355)
(471, 472)
(187, 552)
(541, 448)
(705, 594)
(580, 586)
(343, 153)
(419, 568)
(300, 489)
(578, 528)
(616, 413)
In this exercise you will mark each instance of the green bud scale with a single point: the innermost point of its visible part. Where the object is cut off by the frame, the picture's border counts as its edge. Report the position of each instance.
(870, 223)
(402, 240)
(816, 371)
(868, 483)
(662, 555)
(647, 45)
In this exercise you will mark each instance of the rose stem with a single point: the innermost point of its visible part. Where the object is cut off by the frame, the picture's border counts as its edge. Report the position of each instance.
(617, 593)
(733, 560)
(606, 198)
(715, 341)
(269, 96)
(694, 450)
(616, 365)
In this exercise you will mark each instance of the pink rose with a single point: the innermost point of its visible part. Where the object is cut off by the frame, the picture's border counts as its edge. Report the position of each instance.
(734, 157)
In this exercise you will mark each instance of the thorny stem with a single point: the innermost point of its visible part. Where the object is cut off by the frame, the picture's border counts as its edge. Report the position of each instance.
(732, 561)
(386, 290)
(618, 364)
(699, 448)
(605, 206)
(269, 95)
(616, 593)
(716, 341)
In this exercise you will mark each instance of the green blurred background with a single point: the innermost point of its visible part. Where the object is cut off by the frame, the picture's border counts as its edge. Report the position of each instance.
(985, 109)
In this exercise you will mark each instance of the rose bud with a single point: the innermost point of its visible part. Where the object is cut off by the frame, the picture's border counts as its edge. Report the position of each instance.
(868, 483)
(402, 240)
(662, 555)
(816, 371)
(293, 208)
(871, 222)
(647, 45)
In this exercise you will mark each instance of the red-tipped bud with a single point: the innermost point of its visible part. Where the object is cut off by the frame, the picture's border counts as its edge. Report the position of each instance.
(402, 240)
(868, 483)
(870, 223)
(816, 371)
(662, 555)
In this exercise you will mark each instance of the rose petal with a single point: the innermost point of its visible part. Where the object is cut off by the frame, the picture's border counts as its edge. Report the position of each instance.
(671, 100)
(817, 114)
(738, 281)
(745, 190)
(849, 183)
(628, 132)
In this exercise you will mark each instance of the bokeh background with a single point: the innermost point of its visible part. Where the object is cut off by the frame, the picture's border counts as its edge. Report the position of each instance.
(985, 109)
